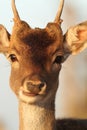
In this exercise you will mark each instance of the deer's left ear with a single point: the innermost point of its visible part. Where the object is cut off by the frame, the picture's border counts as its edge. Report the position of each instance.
(75, 40)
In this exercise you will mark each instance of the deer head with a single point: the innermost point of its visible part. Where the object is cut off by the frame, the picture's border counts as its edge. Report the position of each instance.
(36, 55)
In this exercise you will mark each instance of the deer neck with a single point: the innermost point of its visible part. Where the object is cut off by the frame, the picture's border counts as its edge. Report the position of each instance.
(36, 117)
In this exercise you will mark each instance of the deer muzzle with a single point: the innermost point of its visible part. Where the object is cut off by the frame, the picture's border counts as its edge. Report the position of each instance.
(35, 87)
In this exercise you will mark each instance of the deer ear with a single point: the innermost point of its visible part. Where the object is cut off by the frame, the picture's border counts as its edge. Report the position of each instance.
(75, 40)
(4, 38)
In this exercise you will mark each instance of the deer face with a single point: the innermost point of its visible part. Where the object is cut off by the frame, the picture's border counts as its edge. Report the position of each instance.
(36, 55)
(36, 58)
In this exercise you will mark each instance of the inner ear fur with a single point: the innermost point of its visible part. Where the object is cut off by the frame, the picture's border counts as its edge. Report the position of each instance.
(76, 38)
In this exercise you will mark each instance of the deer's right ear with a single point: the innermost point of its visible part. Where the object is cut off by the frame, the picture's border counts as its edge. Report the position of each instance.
(75, 40)
(4, 39)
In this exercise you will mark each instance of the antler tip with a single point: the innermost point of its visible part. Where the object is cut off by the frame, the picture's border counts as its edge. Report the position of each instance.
(15, 12)
(57, 18)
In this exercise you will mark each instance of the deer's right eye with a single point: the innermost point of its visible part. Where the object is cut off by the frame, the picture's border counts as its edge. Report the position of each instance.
(13, 58)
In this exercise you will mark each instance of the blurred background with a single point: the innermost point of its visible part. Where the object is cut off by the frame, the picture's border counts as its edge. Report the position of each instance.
(71, 99)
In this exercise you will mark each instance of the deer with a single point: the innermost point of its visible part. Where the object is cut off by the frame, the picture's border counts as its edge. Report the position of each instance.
(36, 56)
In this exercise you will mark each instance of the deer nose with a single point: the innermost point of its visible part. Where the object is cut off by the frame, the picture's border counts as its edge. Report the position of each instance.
(36, 87)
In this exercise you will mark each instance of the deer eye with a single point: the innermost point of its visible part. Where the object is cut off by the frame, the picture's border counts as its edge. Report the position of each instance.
(58, 60)
(13, 57)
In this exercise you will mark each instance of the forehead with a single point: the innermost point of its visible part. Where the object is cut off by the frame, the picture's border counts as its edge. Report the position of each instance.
(35, 42)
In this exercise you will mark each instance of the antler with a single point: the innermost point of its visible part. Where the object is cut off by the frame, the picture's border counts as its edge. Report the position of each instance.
(15, 12)
(57, 18)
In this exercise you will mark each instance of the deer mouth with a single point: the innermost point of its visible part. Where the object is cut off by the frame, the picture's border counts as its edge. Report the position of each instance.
(29, 97)
(29, 94)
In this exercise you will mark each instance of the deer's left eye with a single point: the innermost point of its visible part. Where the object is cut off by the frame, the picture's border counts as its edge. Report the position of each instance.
(58, 60)
(13, 57)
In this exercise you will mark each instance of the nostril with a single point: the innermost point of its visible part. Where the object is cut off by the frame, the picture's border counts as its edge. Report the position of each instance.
(41, 85)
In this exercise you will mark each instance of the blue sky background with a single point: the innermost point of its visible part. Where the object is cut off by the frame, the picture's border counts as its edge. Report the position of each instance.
(37, 13)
